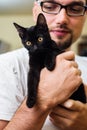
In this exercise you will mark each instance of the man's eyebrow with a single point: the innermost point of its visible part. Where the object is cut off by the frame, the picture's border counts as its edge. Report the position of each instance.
(77, 2)
(71, 3)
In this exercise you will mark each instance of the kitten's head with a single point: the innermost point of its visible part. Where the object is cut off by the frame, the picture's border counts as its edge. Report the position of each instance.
(36, 37)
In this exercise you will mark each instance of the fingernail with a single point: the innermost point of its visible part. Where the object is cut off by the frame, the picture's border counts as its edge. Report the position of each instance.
(68, 104)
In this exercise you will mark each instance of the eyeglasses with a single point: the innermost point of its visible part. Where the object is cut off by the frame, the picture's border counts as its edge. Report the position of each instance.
(74, 9)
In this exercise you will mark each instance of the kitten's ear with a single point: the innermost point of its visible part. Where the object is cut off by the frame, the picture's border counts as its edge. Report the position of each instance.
(41, 20)
(21, 30)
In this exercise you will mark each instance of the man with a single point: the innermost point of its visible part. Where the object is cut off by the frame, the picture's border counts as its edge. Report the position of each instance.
(65, 19)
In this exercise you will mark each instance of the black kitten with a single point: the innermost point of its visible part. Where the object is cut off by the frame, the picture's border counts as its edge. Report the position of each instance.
(42, 52)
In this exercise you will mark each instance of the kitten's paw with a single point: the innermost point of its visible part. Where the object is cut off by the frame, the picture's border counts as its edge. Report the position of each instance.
(50, 66)
(30, 102)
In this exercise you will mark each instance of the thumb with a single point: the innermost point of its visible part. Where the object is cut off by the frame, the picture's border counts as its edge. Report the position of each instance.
(73, 105)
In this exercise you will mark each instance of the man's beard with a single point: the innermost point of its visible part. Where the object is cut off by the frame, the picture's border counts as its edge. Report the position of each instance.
(63, 45)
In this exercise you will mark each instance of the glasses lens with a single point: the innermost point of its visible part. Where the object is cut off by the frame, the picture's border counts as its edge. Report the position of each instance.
(75, 10)
(50, 7)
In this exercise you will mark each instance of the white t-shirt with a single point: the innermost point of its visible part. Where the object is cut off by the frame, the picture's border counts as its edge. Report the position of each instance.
(14, 67)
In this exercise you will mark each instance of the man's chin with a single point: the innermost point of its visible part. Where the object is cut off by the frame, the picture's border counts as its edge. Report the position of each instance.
(63, 42)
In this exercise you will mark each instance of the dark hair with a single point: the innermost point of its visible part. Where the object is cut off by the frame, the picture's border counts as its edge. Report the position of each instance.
(86, 1)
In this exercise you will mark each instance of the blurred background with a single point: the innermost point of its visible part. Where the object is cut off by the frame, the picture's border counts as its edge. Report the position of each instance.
(20, 11)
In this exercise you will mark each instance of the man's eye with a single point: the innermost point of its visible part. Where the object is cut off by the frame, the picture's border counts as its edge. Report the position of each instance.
(76, 8)
(40, 39)
(49, 6)
(28, 43)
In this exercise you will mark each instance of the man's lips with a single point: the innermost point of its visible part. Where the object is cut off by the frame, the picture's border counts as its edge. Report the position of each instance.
(60, 32)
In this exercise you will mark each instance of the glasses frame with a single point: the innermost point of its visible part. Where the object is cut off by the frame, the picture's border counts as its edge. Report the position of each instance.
(61, 7)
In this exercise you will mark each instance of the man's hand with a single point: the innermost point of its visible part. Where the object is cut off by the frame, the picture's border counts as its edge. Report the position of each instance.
(72, 115)
(57, 86)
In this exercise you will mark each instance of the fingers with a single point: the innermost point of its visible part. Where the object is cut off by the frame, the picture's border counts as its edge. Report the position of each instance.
(69, 55)
(68, 109)
(79, 72)
(74, 64)
(61, 112)
(61, 117)
(69, 58)
(70, 116)
(60, 123)
(73, 105)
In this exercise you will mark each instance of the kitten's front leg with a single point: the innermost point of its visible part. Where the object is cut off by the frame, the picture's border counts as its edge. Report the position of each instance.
(33, 79)
(50, 61)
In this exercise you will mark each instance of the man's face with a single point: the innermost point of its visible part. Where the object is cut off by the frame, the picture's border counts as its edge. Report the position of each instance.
(63, 28)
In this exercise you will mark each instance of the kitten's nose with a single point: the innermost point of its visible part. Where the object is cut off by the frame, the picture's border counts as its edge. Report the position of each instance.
(35, 47)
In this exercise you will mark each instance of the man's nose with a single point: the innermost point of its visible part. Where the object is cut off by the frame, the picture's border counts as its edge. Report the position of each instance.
(62, 17)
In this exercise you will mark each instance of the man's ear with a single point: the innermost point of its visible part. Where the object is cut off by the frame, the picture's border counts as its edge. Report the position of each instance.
(36, 10)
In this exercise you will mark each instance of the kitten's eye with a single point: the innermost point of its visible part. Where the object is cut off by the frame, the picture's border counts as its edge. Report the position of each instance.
(40, 39)
(28, 43)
